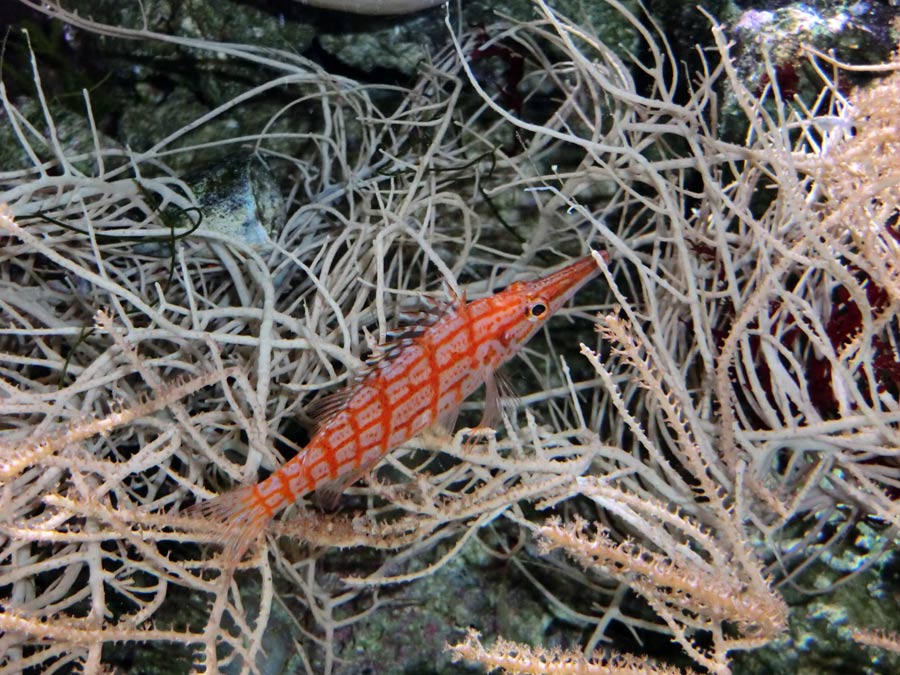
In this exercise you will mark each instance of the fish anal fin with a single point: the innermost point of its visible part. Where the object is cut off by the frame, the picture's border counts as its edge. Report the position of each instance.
(329, 493)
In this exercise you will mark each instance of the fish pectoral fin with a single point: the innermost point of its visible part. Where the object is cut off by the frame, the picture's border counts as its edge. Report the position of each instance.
(499, 398)
(499, 401)
(446, 422)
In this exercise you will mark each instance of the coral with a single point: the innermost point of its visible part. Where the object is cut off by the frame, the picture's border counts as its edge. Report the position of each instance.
(729, 424)
(517, 659)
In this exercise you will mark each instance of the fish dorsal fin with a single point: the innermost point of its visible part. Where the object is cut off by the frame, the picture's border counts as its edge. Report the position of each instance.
(327, 406)
(415, 320)
(426, 310)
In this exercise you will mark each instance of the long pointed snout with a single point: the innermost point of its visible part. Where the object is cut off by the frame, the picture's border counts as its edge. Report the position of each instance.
(558, 287)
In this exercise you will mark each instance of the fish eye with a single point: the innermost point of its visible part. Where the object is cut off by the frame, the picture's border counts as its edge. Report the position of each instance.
(535, 311)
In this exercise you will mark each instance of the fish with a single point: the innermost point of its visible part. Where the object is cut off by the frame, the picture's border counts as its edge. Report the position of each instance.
(412, 383)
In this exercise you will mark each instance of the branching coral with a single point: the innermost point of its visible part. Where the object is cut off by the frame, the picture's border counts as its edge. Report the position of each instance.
(739, 396)
(515, 659)
(759, 336)
(206, 349)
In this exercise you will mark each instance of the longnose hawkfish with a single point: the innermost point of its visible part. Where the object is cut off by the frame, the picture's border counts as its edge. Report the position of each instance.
(416, 381)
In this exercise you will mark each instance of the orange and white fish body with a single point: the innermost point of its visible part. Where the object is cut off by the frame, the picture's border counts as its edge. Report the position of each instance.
(420, 379)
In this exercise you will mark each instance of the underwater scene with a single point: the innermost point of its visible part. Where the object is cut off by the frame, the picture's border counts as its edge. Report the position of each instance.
(409, 337)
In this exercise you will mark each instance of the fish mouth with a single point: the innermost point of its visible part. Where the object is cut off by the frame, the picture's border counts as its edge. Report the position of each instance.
(563, 284)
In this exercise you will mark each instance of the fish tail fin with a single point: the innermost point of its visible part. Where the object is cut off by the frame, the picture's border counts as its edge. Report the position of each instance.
(238, 518)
